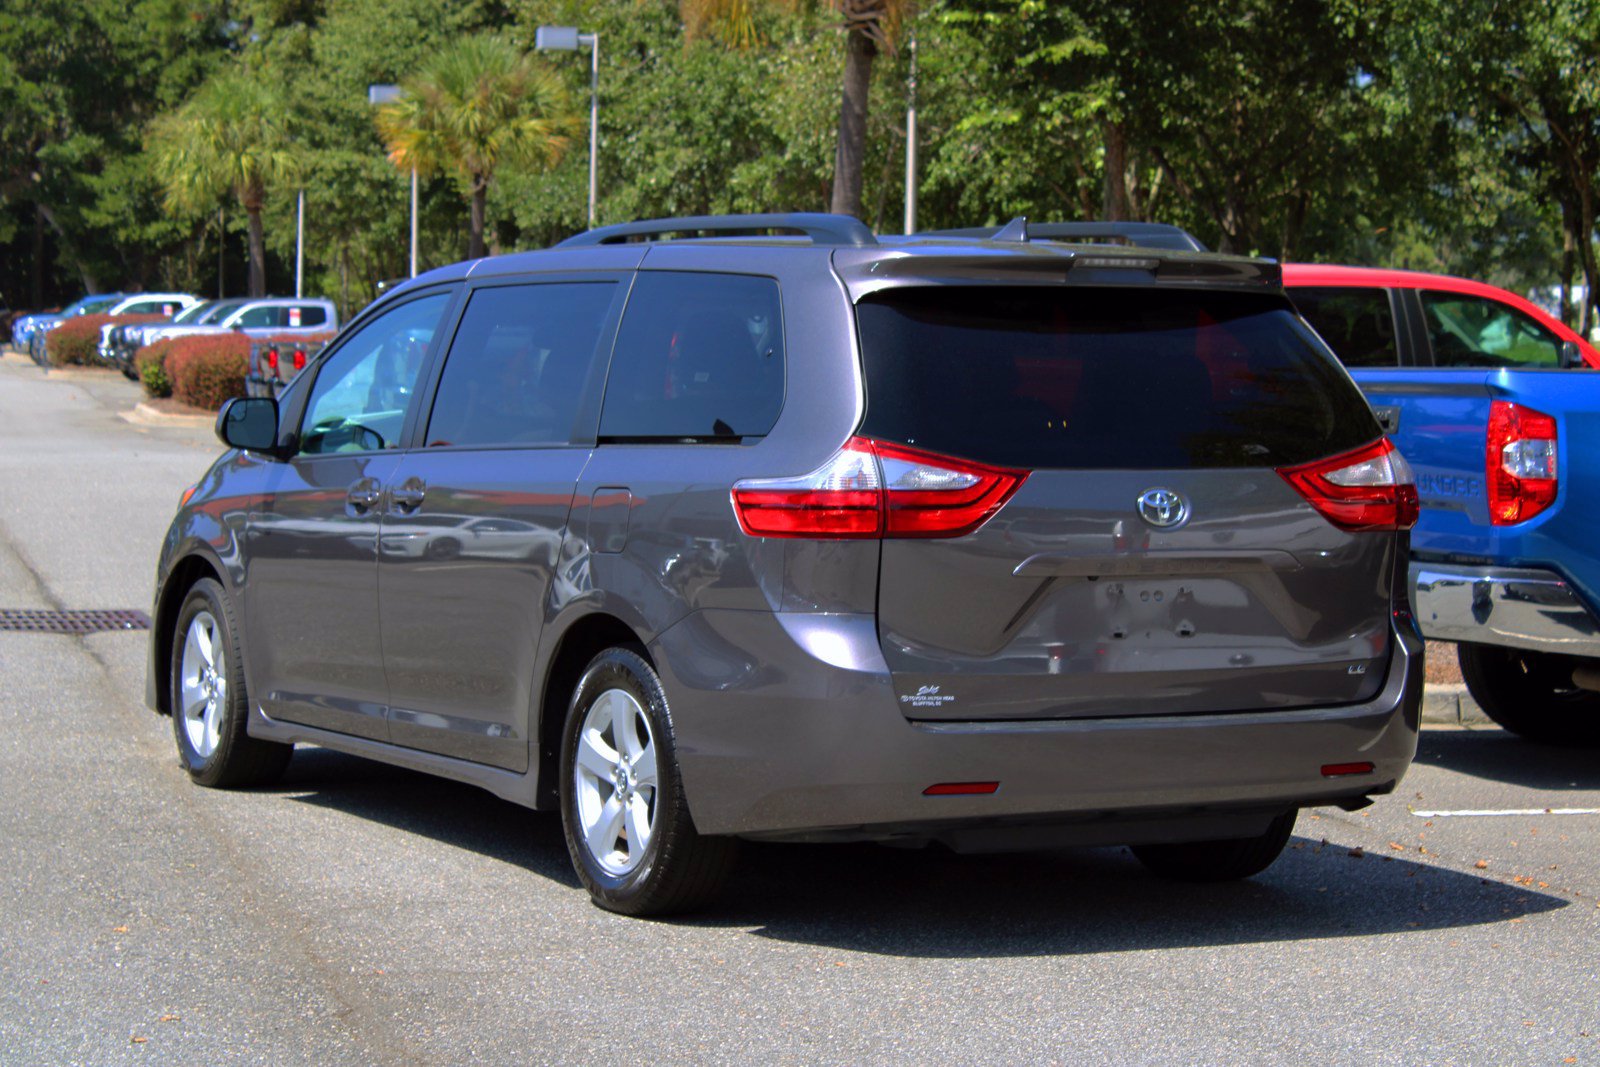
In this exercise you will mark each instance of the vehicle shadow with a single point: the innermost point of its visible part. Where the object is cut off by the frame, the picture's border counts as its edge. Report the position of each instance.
(933, 903)
(1499, 756)
(461, 816)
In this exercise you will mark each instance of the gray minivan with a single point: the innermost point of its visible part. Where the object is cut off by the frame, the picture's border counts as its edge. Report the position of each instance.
(792, 532)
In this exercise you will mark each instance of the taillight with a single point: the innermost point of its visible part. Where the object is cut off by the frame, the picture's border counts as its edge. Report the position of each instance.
(1371, 488)
(299, 359)
(875, 489)
(1520, 462)
(272, 360)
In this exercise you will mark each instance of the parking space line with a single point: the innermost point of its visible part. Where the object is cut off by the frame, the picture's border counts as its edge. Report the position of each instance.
(1504, 811)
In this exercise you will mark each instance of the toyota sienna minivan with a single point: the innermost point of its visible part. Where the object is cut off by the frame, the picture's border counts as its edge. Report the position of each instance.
(781, 530)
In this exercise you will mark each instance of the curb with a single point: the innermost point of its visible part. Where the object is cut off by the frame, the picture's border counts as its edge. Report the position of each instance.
(145, 415)
(1451, 705)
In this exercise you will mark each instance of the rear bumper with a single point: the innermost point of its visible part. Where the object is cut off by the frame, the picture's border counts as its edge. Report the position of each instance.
(1511, 607)
(787, 726)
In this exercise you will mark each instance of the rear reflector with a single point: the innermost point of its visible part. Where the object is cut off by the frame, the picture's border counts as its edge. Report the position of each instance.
(872, 489)
(1371, 488)
(961, 789)
(1341, 770)
(1520, 462)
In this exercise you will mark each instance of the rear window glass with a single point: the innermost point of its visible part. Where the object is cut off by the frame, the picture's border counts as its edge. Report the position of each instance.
(1357, 323)
(1125, 378)
(698, 357)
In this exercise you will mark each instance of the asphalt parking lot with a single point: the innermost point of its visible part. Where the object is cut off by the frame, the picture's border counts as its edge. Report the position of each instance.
(358, 913)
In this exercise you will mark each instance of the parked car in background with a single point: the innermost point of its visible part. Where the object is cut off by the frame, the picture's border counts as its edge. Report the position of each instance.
(164, 304)
(34, 327)
(273, 363)
(999, 543)
(258, 317)
(1497, 406)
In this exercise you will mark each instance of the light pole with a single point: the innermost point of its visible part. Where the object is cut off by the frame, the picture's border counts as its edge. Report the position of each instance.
(567, 39)
(388, 94)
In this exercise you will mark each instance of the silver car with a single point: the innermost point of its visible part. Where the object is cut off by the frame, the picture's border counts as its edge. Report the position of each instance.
(990, 542)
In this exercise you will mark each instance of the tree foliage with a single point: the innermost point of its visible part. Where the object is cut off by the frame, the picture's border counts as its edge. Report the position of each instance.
(1461, 136)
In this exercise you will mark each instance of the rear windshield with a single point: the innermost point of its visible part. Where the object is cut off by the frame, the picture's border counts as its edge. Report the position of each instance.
(1124, 378)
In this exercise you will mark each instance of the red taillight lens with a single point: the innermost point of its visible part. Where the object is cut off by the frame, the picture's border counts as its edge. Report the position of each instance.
(299, 359)
(874, 489)
(1520, 462)
(1369, 489)
(272, 360)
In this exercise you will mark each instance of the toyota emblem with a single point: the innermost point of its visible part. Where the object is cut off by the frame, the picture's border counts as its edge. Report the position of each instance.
(1165, 508)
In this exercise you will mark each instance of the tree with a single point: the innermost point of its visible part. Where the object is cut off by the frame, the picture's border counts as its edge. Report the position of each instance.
(479, 105)
(870, 26)
(231, 137)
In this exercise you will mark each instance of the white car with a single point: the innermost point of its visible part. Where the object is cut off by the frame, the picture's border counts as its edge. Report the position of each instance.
(267, 316)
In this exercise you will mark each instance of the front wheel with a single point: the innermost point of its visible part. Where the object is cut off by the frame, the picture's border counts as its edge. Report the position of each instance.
(627, 825)
(209, 706)
(1532, 694)
(1219, 861)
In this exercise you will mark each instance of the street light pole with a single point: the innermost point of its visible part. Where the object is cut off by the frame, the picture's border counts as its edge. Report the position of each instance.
(299, 243)
(387, 94)
(569, 39)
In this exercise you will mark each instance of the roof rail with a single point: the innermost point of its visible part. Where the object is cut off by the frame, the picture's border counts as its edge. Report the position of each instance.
(1143, 234)
(822, 229)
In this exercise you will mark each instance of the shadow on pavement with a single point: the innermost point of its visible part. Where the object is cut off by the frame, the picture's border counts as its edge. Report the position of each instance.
(1499, 756)
(461, 816)
(935, 904)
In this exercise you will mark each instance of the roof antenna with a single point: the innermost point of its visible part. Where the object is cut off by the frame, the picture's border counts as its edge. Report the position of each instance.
(1015, 230)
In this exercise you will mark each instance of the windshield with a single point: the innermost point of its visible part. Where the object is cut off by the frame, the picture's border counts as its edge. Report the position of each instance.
(217, 311)
(193, 312)
(90, 305)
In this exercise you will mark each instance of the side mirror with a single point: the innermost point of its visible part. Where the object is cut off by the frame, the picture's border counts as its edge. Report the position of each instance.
(1572, 355)
(250, 423)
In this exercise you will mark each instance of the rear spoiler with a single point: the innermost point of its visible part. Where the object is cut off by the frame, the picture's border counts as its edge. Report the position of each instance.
(1140, 234)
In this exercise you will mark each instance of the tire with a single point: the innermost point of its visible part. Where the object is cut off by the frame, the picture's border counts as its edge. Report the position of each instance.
(1531, 694)
(209, 702)
(1219, 861)
(617, 720)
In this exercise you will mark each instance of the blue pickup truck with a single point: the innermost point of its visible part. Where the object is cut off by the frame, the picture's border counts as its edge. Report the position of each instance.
(1497, 407)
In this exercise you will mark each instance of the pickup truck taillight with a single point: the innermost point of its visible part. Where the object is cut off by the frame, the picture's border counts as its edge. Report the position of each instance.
(1520, 461)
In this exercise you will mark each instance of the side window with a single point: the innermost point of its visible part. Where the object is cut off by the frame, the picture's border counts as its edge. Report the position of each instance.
(1474, 331)
(307, 315)
(258, 317)
(1357, 323)
(518, 363)
(698, 356)
(148, 307)
(358, 403)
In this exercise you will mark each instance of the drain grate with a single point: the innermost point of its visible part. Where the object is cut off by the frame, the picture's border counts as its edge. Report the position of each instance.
(72, 622)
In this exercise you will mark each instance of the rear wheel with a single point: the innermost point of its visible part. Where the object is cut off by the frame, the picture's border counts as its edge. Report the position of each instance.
(209, 705)
(1219, 861)
(627, 824)
(1532, 694)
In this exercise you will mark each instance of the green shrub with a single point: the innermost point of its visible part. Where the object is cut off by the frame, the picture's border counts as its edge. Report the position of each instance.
(151, 363)
(207, 370)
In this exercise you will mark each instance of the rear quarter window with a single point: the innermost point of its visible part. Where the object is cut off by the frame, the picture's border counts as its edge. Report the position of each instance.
(698, 357)
(1113, 378)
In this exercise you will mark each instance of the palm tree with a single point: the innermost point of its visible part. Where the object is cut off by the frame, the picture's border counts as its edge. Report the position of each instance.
(232, 136)
(478, 105)
(870, 26)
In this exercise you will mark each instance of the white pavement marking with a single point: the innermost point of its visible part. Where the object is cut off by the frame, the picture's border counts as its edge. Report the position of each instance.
(1504, 811)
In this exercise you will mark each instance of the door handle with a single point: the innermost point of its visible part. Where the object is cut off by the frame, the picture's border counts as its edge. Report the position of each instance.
(364, 495)
(408, 495)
